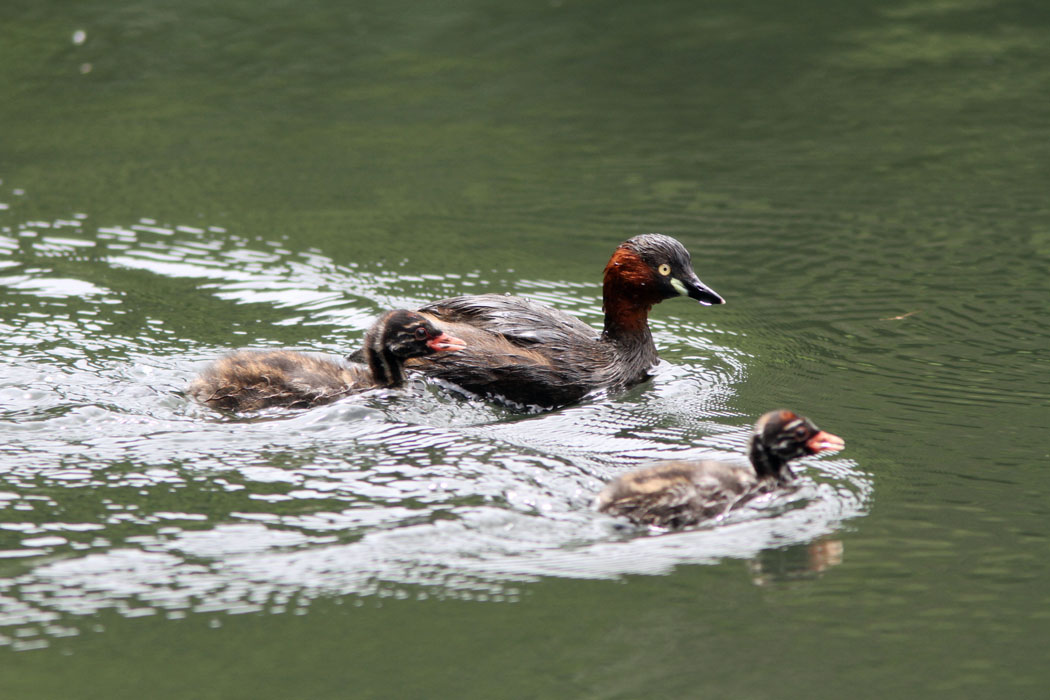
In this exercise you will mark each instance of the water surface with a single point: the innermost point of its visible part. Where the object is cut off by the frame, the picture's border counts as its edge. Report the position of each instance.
(865, 186)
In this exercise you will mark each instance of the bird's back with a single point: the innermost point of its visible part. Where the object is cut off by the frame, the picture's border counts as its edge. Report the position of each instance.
(524, 351)
(677, 494)
(249, 380)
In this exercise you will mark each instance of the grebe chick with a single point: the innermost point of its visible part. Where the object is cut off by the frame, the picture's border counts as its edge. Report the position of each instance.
(249, 380)
(533, 354)
(679, 494)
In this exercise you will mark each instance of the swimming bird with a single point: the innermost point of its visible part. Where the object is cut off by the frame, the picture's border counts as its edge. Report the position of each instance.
(531, 354)
(677, 494)
(249, 380)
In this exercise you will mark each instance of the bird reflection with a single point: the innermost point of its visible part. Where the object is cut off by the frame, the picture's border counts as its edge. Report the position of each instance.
(798, 562)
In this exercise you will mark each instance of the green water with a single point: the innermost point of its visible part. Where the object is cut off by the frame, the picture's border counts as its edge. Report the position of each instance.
(865, 183)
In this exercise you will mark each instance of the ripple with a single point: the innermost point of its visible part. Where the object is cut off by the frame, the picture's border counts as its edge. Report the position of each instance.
(194, 511)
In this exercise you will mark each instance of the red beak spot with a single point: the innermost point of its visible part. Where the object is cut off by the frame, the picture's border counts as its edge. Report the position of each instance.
(825, 442)
(446, 343)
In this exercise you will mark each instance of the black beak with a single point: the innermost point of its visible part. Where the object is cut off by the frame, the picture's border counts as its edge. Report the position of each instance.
(696, 289)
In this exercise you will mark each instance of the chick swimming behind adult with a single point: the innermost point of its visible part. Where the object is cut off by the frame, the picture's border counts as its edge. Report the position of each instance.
(249, 380)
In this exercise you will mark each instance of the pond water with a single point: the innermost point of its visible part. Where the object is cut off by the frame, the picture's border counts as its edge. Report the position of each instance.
(866, 185)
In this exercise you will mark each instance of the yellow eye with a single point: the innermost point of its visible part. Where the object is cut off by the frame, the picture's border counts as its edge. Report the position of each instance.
(664, 269)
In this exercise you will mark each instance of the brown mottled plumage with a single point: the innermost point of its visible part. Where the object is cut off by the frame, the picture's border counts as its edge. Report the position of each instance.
(532, 354)
(249, 380)
(679, 494)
